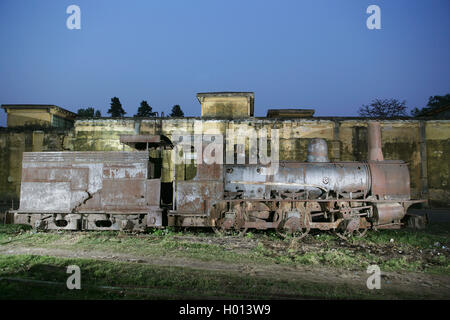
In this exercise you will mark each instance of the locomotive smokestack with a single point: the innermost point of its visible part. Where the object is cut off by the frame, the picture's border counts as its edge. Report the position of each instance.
(374, 131)
(317, 150)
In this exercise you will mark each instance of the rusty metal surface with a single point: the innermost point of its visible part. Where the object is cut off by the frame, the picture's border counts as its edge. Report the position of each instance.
(77, 182)
(153, 192)
(390, 180)
(154, 217)
(199, 195)
(388, 213)
(296, 177)
(209, 172)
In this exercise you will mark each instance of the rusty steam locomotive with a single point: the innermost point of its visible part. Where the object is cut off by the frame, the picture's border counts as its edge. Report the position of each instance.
(115, 191)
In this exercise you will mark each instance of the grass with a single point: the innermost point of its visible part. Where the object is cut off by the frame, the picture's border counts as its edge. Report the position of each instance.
(121, 280)
(435, 233)
(392, 250)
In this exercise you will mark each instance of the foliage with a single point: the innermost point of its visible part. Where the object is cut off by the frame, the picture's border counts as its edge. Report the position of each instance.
(116, 109)
(384, 108)
(176, 111)
(88, 113)
(434, 102)
(145, 110)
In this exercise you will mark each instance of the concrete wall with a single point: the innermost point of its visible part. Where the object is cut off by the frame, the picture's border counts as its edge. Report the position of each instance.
(424, 145)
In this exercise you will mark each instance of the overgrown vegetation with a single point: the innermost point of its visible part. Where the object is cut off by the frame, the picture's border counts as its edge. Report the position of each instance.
(426, 251)
(434, 103)
(45, 277)
(192, 253)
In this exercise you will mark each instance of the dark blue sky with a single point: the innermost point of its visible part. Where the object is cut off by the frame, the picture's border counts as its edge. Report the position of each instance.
(310, 54)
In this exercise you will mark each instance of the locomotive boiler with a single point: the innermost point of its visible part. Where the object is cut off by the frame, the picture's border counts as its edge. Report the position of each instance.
(115, 191)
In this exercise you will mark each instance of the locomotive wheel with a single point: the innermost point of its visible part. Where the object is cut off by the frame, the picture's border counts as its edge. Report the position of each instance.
(300, 234)
(224, 226)
(294, 228)
(354, 227)
(224, 229)
(346, 235)
(278, 217)
(296, 234)
(221, 232)
(361, 233)
(228, 226)
(243, 232)
(239, 221)
(241, 229)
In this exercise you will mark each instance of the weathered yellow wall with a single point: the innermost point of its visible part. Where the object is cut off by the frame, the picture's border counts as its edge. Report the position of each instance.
(12, 145)
(438, 159)
(33, 116)
(400, 140)
(226, 107)
(96, 135)
(347, 141)
(24, 117)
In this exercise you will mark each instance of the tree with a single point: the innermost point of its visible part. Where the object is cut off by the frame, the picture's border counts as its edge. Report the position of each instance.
(383, 108)
(116, 109)
(176, 111)
(88, 113)
(434, 102)
(145, 110)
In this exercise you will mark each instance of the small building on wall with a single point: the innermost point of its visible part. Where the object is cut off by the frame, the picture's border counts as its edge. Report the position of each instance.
(21, 115)
(229, 105)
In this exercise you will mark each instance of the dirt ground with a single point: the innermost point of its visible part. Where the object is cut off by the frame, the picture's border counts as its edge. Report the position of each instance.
(404, 281)
(432, 285)
(275, 258)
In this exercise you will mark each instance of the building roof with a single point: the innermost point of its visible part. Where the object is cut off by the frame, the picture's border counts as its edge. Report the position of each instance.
(225, 94)
(290, 113)
(38, 106)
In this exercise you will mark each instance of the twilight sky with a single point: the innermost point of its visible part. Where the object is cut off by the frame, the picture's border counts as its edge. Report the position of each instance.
(307, 54)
